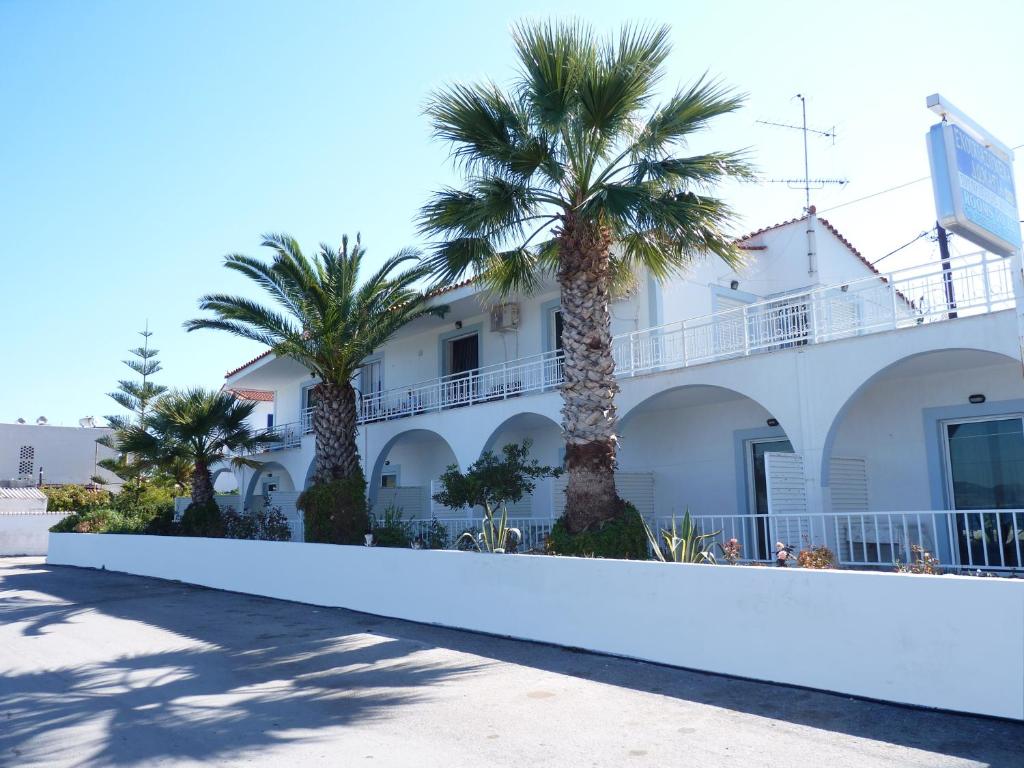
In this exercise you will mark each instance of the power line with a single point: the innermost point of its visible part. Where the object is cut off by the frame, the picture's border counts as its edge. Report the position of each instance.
(905, 245)
(885, 191)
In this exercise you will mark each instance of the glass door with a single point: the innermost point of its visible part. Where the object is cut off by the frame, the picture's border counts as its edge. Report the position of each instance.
(463, 358)
(757, 492)
(985, 473)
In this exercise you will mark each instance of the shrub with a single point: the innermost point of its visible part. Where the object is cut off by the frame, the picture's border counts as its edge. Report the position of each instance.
(466, 541)
(923, 562)
(621, 537)
(683, 544)
(436, 536)
(266, 524)
(391, 530)
(335, 512)
(203, 520)
(107, 520)
(75, 498)
(816, 557)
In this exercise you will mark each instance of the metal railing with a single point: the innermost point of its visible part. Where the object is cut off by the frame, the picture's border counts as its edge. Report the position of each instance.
(986, 540)
(534, 530)
(973, 284)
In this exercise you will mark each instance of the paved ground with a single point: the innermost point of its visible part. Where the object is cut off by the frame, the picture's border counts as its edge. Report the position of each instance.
(103, 669)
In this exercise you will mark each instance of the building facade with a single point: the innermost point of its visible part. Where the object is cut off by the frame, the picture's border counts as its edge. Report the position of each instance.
(806, 385)
(52, 455)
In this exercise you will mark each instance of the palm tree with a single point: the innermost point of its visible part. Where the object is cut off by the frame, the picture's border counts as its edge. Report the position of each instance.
(573, 172)
(199, 427)
(326, 321)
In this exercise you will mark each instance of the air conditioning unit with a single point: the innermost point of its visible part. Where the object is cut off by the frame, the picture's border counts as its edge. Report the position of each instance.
(505, 317)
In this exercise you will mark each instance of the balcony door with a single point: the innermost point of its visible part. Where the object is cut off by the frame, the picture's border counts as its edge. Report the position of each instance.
(985, 471)
(757, 490)
(462, 358)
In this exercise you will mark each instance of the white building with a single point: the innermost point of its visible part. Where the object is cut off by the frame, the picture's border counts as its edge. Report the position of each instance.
(57, 455)
(807, 388)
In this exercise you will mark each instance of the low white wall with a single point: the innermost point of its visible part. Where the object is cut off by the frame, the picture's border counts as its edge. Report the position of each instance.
(27, 534)
(936, 641)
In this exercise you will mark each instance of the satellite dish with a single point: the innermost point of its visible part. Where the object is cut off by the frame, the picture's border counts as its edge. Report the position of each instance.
(42, 421)
(88, 422)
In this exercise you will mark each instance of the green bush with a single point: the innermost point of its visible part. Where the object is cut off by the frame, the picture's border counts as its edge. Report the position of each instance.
(75, 498)
(335, 512)
(436, 536)
(622, 537)
(111, 520)
(391, 530)
(266, 524)
(204, 520)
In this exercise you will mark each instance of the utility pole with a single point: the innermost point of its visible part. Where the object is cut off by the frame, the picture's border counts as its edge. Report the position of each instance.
(947, 272)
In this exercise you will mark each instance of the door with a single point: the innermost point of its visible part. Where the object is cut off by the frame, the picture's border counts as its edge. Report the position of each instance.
(757, 491)
(310, 397)
(554, 371)
(985, 471)
(371, 386)
(463, 358)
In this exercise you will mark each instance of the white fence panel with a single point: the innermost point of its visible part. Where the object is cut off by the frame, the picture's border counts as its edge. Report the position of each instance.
(411, 499)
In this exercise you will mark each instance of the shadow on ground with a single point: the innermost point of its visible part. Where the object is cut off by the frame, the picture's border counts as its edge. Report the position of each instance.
(282, 671)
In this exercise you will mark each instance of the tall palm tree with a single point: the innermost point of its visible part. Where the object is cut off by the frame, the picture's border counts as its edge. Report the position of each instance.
(199, 427)
(574, 172)
(327, 321)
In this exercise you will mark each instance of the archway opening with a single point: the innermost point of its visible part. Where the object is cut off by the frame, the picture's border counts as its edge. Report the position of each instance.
(406, 473)
(702, 449)
(547, 447)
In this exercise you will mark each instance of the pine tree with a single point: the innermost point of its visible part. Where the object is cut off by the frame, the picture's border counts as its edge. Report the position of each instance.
(138, 398)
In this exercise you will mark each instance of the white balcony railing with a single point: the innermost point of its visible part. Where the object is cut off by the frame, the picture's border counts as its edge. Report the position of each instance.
(973, 284)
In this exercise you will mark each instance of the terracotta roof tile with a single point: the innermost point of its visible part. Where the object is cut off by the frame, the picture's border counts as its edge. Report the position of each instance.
(255, 395)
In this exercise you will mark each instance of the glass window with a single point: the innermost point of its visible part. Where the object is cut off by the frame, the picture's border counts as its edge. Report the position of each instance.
(986, 463)
(389, 481)
(371, 381)
(556, 329)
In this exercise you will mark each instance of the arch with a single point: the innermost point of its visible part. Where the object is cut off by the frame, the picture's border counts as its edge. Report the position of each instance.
(279, 472)
(524, 424)
(922, 363)
(695, 439)
(224, 469)
(425, 452)
(308, 481)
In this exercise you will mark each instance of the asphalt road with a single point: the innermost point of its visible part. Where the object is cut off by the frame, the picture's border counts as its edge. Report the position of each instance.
(104, 669)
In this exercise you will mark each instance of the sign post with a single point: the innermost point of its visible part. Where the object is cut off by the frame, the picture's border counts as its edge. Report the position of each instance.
(975, 195)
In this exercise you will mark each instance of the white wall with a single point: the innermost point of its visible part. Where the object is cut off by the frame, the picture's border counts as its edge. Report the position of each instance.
(885, 424)
(66, 454)
(26, 534)
(691, 449)
(820, 629)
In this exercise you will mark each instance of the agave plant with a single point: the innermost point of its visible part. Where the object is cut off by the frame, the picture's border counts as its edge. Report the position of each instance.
(496, 536)
(684, 543)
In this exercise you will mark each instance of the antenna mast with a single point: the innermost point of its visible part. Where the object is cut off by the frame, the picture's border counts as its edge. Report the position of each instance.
(807, 181)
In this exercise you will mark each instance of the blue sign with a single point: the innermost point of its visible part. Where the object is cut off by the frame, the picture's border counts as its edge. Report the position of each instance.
(974, 189)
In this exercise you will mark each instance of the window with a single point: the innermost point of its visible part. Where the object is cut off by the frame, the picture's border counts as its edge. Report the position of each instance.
(270, 421)
(556, 326)
(985, 471)
(462, 354)
(371, 381)
(389, 480)
(26, 462)
(310, 397)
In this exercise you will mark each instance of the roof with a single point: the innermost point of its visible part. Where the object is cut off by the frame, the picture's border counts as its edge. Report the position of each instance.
(254, 395)
(22, 493)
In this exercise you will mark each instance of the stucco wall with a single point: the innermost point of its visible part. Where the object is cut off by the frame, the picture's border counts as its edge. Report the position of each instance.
(66, 454)
(819, 629)
(26, 534)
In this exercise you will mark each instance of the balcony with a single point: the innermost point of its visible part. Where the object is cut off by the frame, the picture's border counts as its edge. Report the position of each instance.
(973, 284)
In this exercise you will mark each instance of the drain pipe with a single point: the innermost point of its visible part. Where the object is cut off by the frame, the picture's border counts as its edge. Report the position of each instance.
(812, 242)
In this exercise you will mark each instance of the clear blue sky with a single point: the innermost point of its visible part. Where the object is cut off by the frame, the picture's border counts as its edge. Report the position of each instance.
(142, 141)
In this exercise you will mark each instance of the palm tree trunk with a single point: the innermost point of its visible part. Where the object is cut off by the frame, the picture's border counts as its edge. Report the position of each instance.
(335, 426)
(202, 484)
(588, 394)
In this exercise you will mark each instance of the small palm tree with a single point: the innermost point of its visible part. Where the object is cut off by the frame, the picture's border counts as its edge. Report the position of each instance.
(573, 172)
(199, 427)
(328, 322)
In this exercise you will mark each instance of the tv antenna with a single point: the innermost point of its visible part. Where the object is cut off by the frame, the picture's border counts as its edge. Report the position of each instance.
(806, 182)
